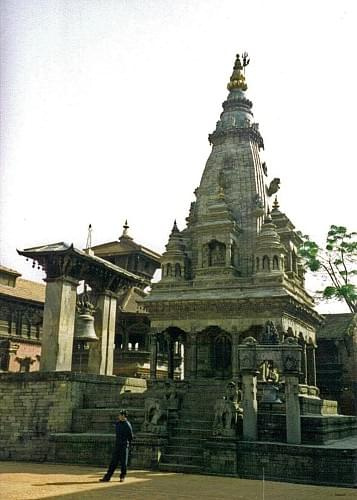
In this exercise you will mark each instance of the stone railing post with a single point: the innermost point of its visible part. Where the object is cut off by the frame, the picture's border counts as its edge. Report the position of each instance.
(291, 369)
(248, 368)
(250, 405)
(58, 324)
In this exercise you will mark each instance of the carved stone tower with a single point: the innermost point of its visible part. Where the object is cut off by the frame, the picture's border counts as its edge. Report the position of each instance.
(235, 265)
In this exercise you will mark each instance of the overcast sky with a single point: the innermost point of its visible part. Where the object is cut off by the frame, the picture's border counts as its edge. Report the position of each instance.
(107, 106)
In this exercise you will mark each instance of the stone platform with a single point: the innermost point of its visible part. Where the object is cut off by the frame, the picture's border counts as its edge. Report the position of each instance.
(68, 417)
(30, 481)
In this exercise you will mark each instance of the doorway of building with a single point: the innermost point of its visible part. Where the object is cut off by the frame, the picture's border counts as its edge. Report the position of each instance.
(222, 355)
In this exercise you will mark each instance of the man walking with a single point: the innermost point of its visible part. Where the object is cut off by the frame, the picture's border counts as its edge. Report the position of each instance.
(124, 436)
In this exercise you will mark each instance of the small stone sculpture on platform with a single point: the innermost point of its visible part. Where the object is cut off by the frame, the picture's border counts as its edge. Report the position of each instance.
(270, 334)
(172, 396)
(155, 420)
(274, 187)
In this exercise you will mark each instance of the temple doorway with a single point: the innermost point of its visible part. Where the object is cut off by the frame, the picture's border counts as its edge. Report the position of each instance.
(222, 355)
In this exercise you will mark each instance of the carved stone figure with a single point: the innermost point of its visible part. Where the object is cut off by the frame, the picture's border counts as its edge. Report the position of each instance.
(171, 396)
(274, 186)
(155, 419)
(270, 334)
(226, 411)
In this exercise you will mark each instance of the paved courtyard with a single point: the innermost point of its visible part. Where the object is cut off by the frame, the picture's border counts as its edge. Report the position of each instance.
(22, 481)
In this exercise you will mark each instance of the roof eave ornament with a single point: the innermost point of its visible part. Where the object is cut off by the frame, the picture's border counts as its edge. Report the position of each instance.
(125, 234)
(237, 80)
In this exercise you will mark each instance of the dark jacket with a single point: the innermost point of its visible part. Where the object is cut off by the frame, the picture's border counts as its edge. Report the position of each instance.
(124, 433)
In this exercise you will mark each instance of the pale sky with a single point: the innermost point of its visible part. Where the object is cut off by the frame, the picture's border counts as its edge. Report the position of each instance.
(107, 106)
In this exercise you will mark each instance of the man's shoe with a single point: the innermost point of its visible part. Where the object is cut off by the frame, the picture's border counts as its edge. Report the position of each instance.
(121, 480)
(104, 480)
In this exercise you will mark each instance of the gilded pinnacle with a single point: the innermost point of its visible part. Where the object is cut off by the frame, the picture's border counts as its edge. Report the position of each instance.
(237, 80)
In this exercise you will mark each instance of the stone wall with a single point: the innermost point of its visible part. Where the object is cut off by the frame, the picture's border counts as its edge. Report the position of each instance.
(34, 405)
(282, 462)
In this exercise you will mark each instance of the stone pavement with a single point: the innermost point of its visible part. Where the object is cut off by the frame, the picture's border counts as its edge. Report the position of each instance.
(22, 481)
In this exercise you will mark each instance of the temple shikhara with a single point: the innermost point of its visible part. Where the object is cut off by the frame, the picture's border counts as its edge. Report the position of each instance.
(217, 363)
(235, 266)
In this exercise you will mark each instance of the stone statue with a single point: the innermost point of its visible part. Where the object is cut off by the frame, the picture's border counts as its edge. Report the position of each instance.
(155, 419)
(274, 186)
(270, 334)
(171, 396)
(226, 411)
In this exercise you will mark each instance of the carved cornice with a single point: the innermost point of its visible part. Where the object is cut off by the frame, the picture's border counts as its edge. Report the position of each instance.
(243, 308)
(251, 133)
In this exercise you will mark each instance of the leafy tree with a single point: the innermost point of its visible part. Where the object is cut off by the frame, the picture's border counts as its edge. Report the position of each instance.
(336, 264)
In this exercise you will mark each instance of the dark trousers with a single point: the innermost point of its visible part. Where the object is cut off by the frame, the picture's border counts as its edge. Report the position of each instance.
(120, 454)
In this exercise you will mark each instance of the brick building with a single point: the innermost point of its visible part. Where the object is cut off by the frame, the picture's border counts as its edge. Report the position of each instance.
(21, 315)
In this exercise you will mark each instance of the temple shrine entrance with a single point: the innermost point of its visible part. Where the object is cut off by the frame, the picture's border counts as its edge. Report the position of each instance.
(222, 356)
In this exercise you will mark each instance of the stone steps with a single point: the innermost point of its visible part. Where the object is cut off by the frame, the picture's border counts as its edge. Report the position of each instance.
(172, 467)
(182, 459)
(184, 451)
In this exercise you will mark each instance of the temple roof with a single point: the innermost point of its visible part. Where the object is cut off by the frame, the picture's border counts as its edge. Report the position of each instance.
(337, 325)
(124, 247)
(43, 253)
(25, 289)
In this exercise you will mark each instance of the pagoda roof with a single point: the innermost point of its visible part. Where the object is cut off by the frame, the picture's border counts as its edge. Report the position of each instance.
(44, 252)
(123, 247)
(25, 290)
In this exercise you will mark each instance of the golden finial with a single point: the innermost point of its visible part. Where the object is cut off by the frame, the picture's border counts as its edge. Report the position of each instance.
(237, 80)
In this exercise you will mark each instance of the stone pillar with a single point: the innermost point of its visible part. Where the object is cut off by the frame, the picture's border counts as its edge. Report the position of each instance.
(58, 324)
(193, 355)
(125, 339)
(303, 377)
(101, 353)
(311, 365)
(293, 421)
(250, 406)
(170, 356)
(153, 354)
(235, 355)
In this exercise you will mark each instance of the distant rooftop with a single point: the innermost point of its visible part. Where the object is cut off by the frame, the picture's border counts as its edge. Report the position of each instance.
(336, 325)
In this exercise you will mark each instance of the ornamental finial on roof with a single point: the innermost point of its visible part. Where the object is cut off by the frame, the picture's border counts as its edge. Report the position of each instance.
(175, 229)
(275, 205)
(125, 231)
(237, 80)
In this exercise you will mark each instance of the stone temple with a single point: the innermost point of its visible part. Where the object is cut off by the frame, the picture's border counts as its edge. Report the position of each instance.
(234, 320)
